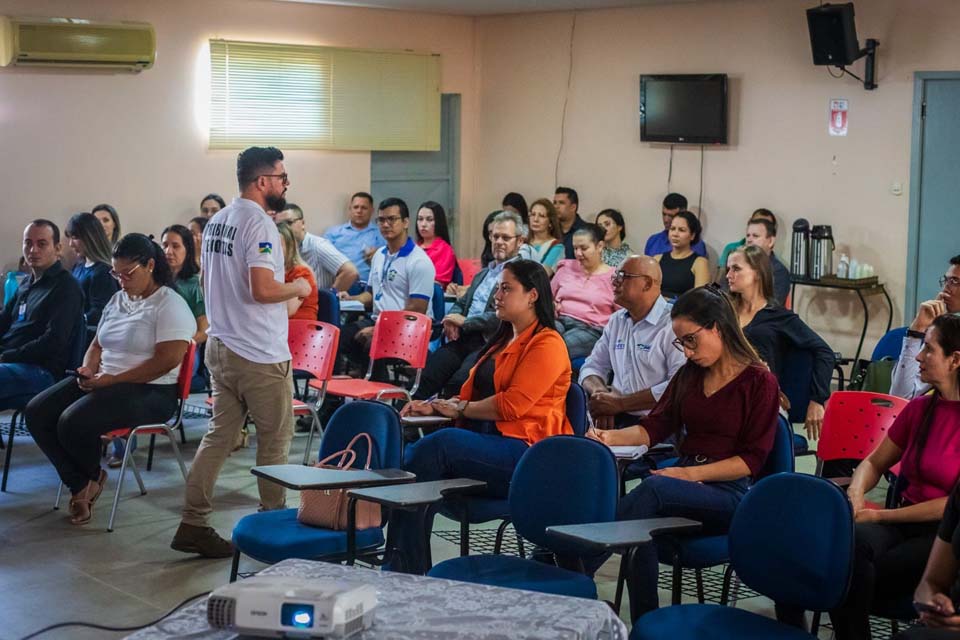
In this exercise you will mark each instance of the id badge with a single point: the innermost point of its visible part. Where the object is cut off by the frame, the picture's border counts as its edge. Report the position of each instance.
(23, 312)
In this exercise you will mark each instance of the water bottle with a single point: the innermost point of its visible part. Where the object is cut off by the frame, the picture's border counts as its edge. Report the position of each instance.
(854, 269)
(10, 287)
(843, 268)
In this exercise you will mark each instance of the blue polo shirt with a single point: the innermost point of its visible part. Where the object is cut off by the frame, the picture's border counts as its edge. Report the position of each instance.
(352, 241)
(659, 243)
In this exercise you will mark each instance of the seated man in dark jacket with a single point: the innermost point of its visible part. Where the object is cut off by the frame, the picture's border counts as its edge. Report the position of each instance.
(38, 323)
(472, 319)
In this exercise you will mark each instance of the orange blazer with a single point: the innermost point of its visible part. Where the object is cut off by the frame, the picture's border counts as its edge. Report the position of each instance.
(531, 377)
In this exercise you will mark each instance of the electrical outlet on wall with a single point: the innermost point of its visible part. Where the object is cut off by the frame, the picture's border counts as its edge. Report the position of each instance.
(896, 189)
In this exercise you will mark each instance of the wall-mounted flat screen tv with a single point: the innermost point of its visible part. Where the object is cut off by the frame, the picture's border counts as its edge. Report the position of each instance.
(684, 108)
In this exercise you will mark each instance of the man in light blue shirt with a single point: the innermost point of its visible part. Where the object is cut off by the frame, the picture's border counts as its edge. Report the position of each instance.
(358, 239)
(659, 243)
(635, 348)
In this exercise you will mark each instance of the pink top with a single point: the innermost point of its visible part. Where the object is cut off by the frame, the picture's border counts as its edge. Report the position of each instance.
(444, 260)
(940, 462)
(587, 298)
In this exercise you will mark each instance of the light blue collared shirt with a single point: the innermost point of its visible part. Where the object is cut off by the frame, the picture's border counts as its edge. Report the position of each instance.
(352, 241)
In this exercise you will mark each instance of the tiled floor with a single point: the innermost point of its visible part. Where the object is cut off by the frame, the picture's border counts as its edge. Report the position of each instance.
(51, 571)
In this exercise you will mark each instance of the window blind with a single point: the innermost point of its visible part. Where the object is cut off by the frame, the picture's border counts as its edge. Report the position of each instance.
(310, 97)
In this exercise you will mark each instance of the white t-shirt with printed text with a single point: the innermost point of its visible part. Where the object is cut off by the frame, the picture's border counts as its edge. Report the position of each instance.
(237, 238)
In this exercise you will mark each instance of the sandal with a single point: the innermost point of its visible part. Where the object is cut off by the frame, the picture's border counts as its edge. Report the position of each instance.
(81, 505)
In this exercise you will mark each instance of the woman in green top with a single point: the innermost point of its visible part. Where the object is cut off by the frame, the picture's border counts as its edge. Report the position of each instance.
(615, 250)
(545, 240)
(178, 247)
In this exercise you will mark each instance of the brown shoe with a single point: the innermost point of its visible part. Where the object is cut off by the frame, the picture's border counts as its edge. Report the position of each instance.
(203, 541)
(81, 504)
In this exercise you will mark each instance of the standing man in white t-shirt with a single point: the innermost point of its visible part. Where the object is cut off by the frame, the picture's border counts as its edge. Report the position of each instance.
(247, 353)
(401, 279)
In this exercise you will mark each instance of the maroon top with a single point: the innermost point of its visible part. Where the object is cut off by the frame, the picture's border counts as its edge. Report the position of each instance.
(740, 419)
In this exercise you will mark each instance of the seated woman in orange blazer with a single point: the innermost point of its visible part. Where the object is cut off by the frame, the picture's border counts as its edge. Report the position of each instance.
(514, 397)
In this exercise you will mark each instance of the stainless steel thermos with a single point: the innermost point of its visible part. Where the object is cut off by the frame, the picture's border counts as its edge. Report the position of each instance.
(800, 249)
(821, 251)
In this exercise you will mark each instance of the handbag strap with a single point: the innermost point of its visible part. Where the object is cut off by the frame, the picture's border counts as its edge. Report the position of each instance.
(369, 440)
(344, 454)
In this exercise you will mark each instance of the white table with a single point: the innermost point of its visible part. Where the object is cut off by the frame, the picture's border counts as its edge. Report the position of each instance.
(411, 607)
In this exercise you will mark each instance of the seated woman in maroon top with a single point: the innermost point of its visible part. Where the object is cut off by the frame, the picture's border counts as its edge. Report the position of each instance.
(892, 545)
(728, 402)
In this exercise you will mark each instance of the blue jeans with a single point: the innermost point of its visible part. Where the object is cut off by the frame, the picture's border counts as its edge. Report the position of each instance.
(19, 382)
(452, 453)
(712, 503)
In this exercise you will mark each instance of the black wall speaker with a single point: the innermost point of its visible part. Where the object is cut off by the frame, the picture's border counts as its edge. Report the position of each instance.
(833, 34)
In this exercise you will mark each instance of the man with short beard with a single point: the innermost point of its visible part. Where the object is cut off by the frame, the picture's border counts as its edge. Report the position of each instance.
(247, 353)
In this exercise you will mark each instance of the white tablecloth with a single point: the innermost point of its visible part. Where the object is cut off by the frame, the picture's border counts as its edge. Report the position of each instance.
(419, 607)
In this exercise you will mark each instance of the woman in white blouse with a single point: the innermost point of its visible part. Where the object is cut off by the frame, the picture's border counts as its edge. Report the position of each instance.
(128, 376)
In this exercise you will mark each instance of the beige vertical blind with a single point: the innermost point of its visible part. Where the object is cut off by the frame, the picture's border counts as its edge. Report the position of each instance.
(305, 97)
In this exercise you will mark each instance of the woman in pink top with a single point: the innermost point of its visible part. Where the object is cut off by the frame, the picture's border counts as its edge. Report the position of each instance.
(892, 545)
(434, 239)
(583, 292)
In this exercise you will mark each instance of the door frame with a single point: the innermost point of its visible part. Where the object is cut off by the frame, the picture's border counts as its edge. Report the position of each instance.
(916, 175)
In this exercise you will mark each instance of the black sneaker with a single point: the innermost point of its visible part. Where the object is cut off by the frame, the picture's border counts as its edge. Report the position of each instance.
(204, 541)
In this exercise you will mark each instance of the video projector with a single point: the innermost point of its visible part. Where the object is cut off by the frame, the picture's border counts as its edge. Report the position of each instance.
(282, 607)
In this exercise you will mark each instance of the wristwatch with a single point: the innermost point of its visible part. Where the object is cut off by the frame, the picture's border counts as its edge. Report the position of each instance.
(911, 333)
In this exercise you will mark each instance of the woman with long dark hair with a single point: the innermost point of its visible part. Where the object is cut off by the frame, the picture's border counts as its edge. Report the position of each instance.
(615, 249)
(196, 226)
(892, 545)
(110, 220)
(773, 330)
(86, 237)
(210, 204)
(433, 237)
(727, 403)
(683, 269)
(515, 202)
(514, 397)
(128, 377)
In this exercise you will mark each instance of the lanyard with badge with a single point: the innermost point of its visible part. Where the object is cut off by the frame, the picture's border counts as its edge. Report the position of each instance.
(383, 274)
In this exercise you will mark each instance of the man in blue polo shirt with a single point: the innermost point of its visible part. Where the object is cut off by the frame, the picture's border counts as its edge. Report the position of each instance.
(358, 239)
(659, 243)
(401, 278)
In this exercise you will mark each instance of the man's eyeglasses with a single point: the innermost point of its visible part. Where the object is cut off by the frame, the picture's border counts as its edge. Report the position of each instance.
(688, 341)
(619, 276)
(500, 237)
(124, 275)
(951, 282)
(284, 178)
(388, 220)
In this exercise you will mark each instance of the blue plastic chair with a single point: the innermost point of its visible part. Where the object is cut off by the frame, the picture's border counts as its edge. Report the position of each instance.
(478, 510)
(779, 515)
(700, 552)
(328, 307)
(272, 536)
(559, 480)
(890, 345)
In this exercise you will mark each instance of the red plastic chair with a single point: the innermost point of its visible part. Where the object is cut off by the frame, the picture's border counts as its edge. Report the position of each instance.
(167, 429)
(313, 349)
(854, 423)
(403, 335)
(470, 268)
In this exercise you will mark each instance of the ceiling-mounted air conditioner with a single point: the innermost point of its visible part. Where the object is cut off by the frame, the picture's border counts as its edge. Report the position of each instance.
(70, 42)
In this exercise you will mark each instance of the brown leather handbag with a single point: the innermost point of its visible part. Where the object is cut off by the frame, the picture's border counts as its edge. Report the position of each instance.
(327, 508)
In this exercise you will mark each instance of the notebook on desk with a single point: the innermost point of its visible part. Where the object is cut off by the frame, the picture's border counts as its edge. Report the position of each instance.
(629, 452)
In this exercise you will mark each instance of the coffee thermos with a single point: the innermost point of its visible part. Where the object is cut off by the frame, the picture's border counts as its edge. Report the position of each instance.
(800, 249)
(821, 251)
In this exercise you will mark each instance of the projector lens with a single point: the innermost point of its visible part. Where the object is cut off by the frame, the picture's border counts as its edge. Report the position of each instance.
(299, 616)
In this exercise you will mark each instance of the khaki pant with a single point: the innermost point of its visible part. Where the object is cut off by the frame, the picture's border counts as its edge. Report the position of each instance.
(241, 387)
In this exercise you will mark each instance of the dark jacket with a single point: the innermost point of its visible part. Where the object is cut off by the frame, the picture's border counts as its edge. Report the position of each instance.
(781, 280)
(37, 325)
(98, 287)
(775, 330)
(485, 323)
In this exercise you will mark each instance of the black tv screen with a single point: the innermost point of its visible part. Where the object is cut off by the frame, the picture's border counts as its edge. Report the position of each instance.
(684, 108)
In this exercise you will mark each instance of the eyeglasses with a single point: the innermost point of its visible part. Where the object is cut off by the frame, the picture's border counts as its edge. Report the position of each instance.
(688, 341)
(951, 282)
(124, 275)
(500, 237)
(284, 178)
(618, 276)
(388, 220)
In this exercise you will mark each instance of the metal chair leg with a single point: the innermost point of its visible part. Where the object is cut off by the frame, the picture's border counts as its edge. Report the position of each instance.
(677, 580)
(498, 542)
(56, 505)
(153, 440)
(314, 426)
(621, 579)
(725, 591)
(177, 454)
(698, 573)
(6, 457)
(520, 549)
(235, 565)
(815, 624)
